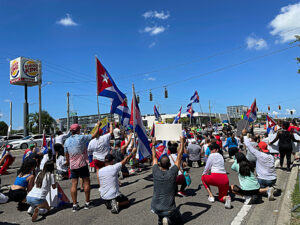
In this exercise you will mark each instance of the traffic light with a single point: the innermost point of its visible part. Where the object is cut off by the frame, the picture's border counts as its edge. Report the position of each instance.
(279, 107)
(269, 108)
(151, 96)
(166, 93)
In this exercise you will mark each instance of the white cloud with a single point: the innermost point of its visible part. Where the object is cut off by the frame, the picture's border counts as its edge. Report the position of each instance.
(154, 30)
(289, 111)
(256, 43)
(7, 100)
(150, 78)
(275, 113)
(284, 24)
(1, 115)
(152, 44)
(67, 21)
(155, 14)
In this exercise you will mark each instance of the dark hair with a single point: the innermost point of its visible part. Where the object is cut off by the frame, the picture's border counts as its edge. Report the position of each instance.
(59, 149)
(285, 125)
(254, 138)
(173, 147)
(213, 146)
(58, 132)
(165, 162)
(245, 166)
(26, 166)
(48, 168)
(233, 138)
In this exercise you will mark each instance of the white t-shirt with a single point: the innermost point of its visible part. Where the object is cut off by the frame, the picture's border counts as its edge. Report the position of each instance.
(117, 133)
(100, 147)
(44, 160)
(109, 182)
(41, 193)
(174, 157)
(61, 138)
(61, 164)
(215, 163)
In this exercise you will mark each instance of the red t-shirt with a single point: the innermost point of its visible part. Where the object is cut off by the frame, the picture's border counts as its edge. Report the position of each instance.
(292, 128)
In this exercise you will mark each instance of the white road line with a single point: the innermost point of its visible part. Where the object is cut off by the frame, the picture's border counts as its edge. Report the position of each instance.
(241, 215)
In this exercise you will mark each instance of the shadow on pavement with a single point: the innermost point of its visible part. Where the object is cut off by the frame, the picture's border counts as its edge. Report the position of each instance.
(133, 202)
(188, 216)
(191, 191)
(129, 183)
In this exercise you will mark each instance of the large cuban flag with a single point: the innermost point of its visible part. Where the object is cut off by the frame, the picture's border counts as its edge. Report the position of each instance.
(136, 120)
(270, 124)
(177, 117)
(106, 87)
(194, 99)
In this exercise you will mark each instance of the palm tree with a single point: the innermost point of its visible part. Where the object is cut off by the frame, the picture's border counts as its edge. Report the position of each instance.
(47, 121)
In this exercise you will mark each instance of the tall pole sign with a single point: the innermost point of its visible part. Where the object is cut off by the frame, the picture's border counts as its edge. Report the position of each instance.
(25, 72)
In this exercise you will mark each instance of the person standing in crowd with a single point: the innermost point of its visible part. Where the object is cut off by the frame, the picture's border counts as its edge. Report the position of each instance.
(249, 185)
(23, 183)
(165, 187)
(37, 196)
(77, 159)
(265, 164)
(109, 189)
(194, 154)
(285, 144)
(218, 176)
(60, 137)
(232, 145)
(100, 147)
(117, 134)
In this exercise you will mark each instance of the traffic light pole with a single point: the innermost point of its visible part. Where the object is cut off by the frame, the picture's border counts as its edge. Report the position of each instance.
(25, 112)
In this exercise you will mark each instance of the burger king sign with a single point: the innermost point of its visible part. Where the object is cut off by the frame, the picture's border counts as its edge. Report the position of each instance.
(25, 71)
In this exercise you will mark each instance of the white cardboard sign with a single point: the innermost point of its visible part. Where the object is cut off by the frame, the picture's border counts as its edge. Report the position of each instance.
(168, 132)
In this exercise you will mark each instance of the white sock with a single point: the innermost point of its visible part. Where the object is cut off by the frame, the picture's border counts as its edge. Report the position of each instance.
(43, 211)
(30, 210)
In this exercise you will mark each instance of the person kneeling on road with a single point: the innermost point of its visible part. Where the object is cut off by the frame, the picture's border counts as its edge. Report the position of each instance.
(109, 189)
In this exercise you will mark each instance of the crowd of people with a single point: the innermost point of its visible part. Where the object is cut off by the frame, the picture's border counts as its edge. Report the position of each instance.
(74, 153)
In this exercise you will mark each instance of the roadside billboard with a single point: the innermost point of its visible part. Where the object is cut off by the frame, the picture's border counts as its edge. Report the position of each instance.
(25, 71)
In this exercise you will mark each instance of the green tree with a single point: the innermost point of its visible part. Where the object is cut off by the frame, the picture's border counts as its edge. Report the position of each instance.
(47, 121)
(3, 128)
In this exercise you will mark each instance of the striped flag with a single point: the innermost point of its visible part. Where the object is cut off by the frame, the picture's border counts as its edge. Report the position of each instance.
(177, 117)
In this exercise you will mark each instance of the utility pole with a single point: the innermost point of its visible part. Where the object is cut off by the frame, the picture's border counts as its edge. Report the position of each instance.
(68, 110)
(40, 107)
(209, 111)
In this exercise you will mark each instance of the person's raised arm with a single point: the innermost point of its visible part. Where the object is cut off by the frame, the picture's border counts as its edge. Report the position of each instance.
(154, 159)
(125, 160)
(180, 153)
(126, 144)
(96, 133)
(276, 139)
(253, 150)
(111, 128)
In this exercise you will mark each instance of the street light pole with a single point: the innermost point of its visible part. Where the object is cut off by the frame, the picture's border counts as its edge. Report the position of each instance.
(40, 107)
(25, 112)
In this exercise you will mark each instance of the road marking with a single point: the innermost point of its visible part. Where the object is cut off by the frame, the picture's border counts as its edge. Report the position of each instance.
(241, 215)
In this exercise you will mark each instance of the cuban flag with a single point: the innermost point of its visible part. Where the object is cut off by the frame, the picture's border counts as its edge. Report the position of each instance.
(152, 133)
(156, 113)
(190, 111)
(251, 114)
(136, 120)
(124, 112)
(3, 153)
(52, 146)
(194, 99)
(62, 198)
(161, 150)
(177, 117)
(44, 146)
(271, 124)
(106, 87)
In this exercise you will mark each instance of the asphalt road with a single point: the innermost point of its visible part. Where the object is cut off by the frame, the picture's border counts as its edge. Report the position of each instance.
(195, 208)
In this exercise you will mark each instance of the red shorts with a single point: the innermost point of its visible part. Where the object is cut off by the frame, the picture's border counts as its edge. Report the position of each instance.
(98, 164)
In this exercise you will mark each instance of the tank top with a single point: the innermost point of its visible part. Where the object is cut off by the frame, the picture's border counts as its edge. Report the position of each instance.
(285, 139)
(21, 181)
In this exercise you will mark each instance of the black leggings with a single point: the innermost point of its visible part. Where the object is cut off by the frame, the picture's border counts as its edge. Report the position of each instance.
(284, 151)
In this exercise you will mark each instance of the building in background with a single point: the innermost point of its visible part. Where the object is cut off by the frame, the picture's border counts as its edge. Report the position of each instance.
(236, 111)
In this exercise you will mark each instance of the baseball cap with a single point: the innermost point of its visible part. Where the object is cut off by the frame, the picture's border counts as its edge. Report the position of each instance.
(31, 145)
(75, 127)
(109, 158)
(8, 147)
(263, 146)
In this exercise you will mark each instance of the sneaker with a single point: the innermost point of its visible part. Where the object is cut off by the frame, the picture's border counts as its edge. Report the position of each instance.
(114, 206)
(270, 193)
(181, 193)
(30, 210)
(131, 171)
(107, 204)
(247, 200)
(228, 202)
(211, 199)
(88, 205)
(35, 214)
(121, 177)
(75, 207)
(165, 221)
(230, 160)
(195, 165)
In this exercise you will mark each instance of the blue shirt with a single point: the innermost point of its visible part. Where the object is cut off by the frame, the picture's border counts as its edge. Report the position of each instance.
(230, 143)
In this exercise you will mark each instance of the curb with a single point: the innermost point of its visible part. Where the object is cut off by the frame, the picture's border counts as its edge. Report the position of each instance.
(284, 216)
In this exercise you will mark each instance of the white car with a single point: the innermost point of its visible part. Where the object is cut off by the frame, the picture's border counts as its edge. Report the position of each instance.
(5, 140)
(26, 141)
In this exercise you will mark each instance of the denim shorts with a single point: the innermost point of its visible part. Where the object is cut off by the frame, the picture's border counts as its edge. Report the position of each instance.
(266, 183)
(34, 201)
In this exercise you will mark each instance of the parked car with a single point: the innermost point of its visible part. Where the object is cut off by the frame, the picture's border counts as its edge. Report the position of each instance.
(10, 139)
(31, 139)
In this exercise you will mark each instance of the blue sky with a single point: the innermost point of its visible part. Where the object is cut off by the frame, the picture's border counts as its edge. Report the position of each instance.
(152, 44)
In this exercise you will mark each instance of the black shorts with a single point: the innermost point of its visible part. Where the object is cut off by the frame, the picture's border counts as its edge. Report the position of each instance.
(82, 172)
(17, 195)
(239, 190)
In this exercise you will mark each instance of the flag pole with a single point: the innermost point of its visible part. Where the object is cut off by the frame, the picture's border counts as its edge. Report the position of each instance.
(133, 113)
(97, 89)
(201, 113)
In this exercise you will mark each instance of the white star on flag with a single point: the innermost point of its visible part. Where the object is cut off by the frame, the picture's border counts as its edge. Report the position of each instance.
(105, 78)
